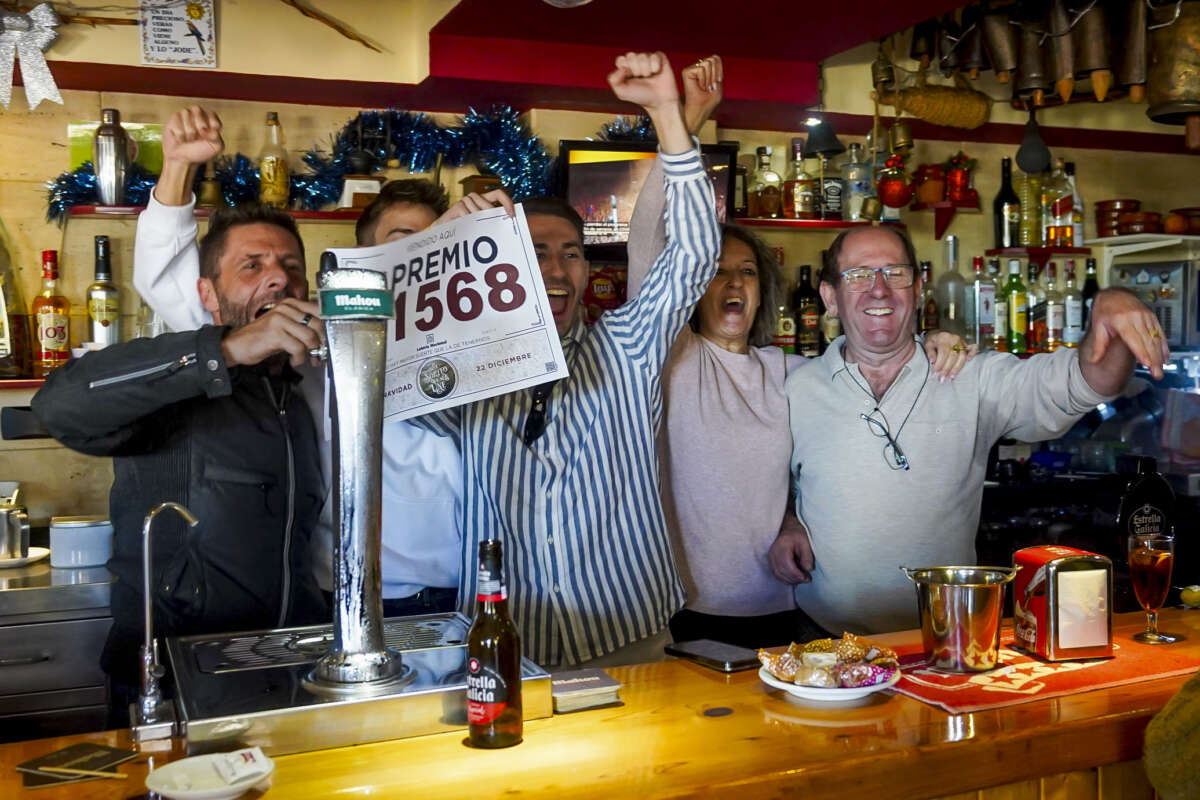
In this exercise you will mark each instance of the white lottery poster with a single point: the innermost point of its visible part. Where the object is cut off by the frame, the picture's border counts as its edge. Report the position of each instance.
(472, 319)
(178, 34)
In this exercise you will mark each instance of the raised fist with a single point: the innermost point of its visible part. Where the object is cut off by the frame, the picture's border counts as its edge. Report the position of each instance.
(193, 136)
(645, 79)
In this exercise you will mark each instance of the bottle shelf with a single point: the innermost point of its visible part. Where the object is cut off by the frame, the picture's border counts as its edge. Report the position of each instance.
(1037, 255)
(944, 211)
(807, 224)
(129, 212)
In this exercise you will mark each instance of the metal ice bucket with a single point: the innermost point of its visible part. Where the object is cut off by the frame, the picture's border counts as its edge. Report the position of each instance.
(960, 611)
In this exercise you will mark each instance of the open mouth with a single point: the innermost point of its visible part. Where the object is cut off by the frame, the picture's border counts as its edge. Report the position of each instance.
(734, 305)
(263, 310)
(878, 312)
(558, 300)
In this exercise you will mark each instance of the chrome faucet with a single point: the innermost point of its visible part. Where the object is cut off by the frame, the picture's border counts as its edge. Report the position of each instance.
(152, 718)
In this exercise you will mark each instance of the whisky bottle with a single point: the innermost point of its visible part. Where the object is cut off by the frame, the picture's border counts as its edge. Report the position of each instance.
(274, 176)
(51, 319)
(103, 300)
(800, 189)
(765, 193)
(808, 315)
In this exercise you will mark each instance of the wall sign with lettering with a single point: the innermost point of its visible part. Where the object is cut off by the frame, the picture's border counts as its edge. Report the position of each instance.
(472, 319)
(179, 34)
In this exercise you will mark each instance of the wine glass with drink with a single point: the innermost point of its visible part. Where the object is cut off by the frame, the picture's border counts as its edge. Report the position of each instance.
(1150, 559)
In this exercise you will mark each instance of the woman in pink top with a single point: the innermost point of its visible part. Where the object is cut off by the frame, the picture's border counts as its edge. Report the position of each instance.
(725, 445)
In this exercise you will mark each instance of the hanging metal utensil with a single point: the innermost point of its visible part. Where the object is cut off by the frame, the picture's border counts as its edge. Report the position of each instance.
(1000, 38)
(1133, 52)
(948, 38)
(973, 56)
(1093, 44)
(924, 42)
(1062, 51)
(1033, 81)
(1173, 86)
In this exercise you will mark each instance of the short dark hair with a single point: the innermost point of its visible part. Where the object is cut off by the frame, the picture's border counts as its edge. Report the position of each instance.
(212, 244)
(831, 270)
(417, 191)
(555, 207)
(770, 283)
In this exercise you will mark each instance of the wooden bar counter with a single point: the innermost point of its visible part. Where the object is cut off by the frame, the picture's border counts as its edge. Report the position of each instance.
(688, 731)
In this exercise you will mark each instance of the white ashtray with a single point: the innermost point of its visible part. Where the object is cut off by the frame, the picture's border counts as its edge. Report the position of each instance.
(200, 778)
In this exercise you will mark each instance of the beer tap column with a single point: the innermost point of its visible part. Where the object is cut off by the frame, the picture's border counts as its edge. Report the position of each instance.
(356, 305)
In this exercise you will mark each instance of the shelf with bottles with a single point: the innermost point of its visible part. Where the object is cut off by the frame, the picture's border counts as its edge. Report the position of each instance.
(809, 224)
(1038, 255)
(129, 212)
(944, 211)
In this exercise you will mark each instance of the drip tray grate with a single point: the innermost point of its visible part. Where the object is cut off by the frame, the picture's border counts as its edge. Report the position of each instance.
(283, 648)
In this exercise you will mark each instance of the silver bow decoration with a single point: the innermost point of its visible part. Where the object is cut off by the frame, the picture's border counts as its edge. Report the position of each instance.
(26, 36)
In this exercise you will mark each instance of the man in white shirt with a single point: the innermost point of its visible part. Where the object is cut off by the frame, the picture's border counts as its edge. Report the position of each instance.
(422, 471)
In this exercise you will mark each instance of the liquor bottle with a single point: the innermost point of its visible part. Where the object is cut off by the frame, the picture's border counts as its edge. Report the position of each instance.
(831, 190)
(1006, 210)
(1072, 310)
(494, 716)
(1056, 311)
(928, 319)
(1090, 287)
(1018, 307)
(831, 328)
(274, 175)
(103, 300)
(981, 307)
(1076, 207)
(800, 188)
(952, 293)
(51, 319)
(767, 187)
(1029, 193)
(1000, 332)
(14, 323)
(785, 330)
(1035, 333)
(1057, 229)
(808, 315)
(856, 183)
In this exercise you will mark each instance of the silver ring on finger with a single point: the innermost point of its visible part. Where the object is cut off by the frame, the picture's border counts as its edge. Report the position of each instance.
(307, 318)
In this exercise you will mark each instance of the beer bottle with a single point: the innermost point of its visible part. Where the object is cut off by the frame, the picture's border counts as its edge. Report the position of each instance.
(493, 660)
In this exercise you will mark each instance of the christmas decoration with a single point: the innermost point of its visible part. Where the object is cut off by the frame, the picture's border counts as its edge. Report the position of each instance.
(895, 186)
(628, 129)
(25, 37)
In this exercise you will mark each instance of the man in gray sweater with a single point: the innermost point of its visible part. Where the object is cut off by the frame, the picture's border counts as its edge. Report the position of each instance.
(888, 462)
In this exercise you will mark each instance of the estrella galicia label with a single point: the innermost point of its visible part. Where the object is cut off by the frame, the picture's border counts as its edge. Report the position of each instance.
(487, 693)
(371, 303)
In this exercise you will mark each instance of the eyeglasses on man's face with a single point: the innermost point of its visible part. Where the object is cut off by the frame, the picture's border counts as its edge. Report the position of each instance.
(892, 454)
(861, 279)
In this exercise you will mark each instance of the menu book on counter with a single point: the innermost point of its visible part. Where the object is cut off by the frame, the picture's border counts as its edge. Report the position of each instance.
(84, 756)
(578, 689)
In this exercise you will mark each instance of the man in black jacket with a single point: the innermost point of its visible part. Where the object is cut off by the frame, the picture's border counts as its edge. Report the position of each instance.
(210, 419)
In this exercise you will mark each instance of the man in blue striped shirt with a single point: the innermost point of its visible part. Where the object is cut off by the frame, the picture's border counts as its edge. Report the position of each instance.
(566, 476)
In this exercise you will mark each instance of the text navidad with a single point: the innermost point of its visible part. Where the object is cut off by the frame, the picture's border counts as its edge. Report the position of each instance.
(445, 280)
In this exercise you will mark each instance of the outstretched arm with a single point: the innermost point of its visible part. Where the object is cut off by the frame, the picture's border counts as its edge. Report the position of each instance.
(1122, 330)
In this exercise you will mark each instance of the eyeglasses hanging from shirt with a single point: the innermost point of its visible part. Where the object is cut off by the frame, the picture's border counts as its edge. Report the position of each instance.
(535, 423)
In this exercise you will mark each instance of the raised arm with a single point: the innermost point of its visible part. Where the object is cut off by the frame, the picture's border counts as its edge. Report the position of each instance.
(649, 324)
(702, 84)
(166, 262)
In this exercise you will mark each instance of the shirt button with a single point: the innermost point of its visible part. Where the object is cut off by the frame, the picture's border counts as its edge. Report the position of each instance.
(556, 588)
(937, 430)
(218, 381)
(549, 540)
(549, 494)
(212, 365)
(866, 402)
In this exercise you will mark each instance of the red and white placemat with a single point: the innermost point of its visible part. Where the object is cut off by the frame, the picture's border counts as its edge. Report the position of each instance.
(1023, 678)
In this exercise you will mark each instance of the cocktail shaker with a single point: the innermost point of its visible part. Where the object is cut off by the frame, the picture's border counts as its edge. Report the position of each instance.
(110, 158)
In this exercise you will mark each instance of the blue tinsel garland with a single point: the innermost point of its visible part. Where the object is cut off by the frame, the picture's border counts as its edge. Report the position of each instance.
(495, 141)
(629, 129)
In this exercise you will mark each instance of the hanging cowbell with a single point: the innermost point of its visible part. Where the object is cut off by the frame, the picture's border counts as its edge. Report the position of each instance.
(924, 42)
(1033, 82)
(972, 55)
(1062, 50)
(1132, 72)
(949, 36)
(1093, 43)
(1173, 88)
(1000, 37)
